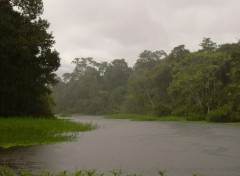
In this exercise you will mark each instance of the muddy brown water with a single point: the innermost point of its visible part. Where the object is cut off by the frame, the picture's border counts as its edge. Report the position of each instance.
(138, 147)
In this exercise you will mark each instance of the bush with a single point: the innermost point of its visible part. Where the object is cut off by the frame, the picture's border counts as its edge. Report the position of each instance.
(235, 117)
(162, 110)
(179, 111)
(195, 117)
(221, 114)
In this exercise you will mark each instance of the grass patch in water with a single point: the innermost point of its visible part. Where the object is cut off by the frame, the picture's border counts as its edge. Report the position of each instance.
(30, 131)
(137, 117)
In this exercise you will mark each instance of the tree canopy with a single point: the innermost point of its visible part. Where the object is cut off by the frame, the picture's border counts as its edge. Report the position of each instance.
(27, 61)
(200, 85)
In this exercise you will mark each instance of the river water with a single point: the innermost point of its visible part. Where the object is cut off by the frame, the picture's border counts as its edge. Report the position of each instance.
(138, 147)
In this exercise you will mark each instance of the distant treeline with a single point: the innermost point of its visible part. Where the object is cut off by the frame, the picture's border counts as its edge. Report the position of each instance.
(201, 85)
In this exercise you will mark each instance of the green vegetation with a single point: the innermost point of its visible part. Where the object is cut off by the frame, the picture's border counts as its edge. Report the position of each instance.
(27, 60)
(200, 86)
(65, 115)
(6, 171)
(29, 131)
(235, 124)
(137, 117)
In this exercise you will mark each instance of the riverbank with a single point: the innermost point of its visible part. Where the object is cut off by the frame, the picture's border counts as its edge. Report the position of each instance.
(31, 131)
(138, 117)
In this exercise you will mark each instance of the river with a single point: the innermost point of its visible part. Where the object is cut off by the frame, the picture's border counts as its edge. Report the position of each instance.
(138, 147)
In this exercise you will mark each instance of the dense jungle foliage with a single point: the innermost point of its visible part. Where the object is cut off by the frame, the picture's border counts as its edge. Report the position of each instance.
(201, 85)
(27, 61)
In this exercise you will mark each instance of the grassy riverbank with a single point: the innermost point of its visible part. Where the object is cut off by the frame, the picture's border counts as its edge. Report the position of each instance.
(29, 131)
(137, 117)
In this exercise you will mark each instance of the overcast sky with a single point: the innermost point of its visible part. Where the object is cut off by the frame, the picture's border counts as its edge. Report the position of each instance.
(115, 29)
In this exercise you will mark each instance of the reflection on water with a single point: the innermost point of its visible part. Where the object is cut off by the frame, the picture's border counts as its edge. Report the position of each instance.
(140, 147)
(20, 158)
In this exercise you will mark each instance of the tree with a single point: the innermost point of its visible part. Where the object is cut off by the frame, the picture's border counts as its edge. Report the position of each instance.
(27, 60)
(117, 74)
(208, 45)
(231, 79)
(83, 90)
(93, 87)
(200, 85)
(115, 79)
(177, 54)
(148, 59)
(145, 87)
(200, 81)
(30, 8)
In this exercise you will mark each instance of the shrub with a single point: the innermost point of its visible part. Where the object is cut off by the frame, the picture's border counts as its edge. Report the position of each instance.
(179, 111)
(162, 110)
(221, 114)
(195, 117)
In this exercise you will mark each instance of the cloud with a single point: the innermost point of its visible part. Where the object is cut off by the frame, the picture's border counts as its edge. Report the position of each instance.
(111, 29)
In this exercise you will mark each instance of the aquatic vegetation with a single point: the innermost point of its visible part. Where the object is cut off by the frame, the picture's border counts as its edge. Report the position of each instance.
(7, 171)
(162, 173)
(29, 131)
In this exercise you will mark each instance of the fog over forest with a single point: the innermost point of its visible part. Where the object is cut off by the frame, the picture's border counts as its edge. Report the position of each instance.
(202, 85)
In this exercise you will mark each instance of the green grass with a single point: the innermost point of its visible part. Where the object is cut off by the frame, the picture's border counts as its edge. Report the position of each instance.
(137, 117)
(29, 131)
(235, 124)
(65, 115)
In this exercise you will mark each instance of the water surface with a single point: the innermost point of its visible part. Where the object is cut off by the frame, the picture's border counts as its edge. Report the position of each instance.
(139, 147)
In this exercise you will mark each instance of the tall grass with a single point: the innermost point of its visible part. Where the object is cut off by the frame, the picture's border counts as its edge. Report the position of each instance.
(29, 131)
(235, 124)
(137, 117)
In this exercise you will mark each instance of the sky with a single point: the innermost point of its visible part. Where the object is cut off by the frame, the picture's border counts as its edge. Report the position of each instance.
(116, 29)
